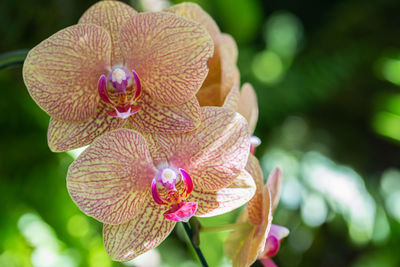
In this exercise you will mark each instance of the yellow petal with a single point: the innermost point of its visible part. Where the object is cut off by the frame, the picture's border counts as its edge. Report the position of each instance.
(248, 106)
(111, 179)
(145, 231)
(156, 118)
(224, 200)
(213, 154)
(210, 95)
(196, 13)
(169, 54)
(62, 72)
(63, 136)
(109, 15)
(255, 208)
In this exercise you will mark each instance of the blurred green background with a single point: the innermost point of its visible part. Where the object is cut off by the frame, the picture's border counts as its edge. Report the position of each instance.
(327, 74)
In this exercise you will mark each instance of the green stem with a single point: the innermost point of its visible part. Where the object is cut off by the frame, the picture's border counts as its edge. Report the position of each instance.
(13, 58)
(226, 227)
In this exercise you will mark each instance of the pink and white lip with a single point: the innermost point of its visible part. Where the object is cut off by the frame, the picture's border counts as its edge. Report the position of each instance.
(164, 191)
(124, 103)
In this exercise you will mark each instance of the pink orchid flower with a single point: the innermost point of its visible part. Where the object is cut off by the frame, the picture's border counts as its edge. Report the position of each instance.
(117, 68)
(223, 73)
(140, 185)
(260, 240)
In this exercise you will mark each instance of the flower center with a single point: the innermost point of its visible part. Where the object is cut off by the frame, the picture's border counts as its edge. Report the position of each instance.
(171, 188)
(120, 92)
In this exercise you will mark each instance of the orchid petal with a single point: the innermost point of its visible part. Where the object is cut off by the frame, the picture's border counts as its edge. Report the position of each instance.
(195, 12)
(145, 231)
(62, 72)
(181, 213)
(109, 15)
(156, 118)
(229, 45)
(255, 208)
(111, 178)
(215, 152)
(224, 200)
(232, 99)
(210, 95)
(187, 181)
(237, 246)
(169, 54)
(63, 136)
(248, 106)
(274, 184)
(278, 231)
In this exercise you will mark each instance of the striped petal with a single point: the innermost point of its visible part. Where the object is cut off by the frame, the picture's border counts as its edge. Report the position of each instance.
(213, 154)
(63, 136)
(109, 15)
(232, 99)
(274, 184)
(224, 200)
(61, 73)
(248, 105)
(169, 54)
(111, 178)
(195, 12)
(156, 118)
(145, 231)
(255, 208)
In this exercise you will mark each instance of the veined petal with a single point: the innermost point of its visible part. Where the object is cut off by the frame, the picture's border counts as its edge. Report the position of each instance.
(144, 232)
(213, 154)
(169, 54)
(61, 73)
(63, 136)
(274, 184)
(248, 106)
(111, 179)
(229, 45)
(156, 118)
(195, 12)
(255, 205)
(109, 15)
(232, 99)
(224, 200)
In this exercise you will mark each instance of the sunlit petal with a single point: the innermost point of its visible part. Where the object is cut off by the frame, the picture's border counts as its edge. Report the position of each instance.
(255, 205)
(215, 152)
(169, 53)
(63, 136)
(62, 72)
(156, 118)
(248, 105)
(111, 178)
(274, 184)
(144, 232)
(227, 199)
(109, 15)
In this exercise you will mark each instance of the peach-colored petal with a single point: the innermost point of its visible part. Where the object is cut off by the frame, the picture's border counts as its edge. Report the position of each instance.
(255, 204)
(195, 12)
(248, 105)
(274, 184)
(228, 44)
(169, 54)
(61, 73)
(213, 154)
(111, 178)
(109, 15)
(232, 99)
(210, 95)
(63, 136)
(156, 118)
(144, 232)
(224, 200)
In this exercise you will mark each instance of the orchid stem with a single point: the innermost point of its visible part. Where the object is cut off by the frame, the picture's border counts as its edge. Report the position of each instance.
(226, 227)
(13, 58)
(190, 233)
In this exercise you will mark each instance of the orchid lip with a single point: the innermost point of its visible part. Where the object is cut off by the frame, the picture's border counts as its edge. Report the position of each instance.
(121, 92)
(171, 188)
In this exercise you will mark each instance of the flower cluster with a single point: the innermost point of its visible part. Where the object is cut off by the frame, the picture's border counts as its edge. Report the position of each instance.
(156, 97)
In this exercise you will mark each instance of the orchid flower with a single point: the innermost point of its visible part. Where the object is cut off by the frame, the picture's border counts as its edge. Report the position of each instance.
(141, 185)
(117, 68)
(223, 74)
(260, 240)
